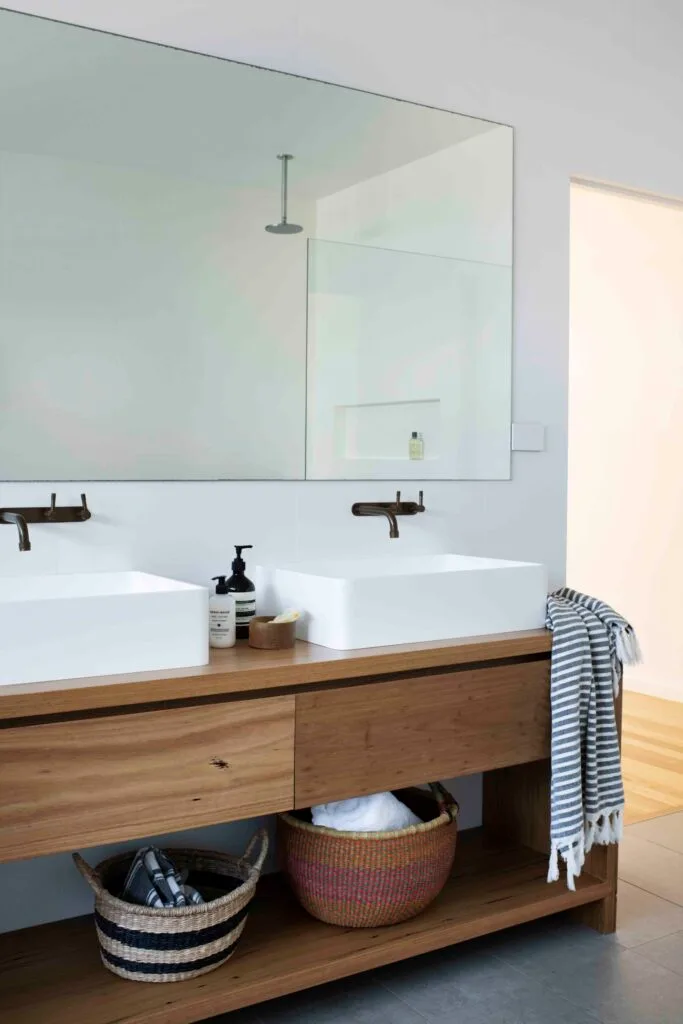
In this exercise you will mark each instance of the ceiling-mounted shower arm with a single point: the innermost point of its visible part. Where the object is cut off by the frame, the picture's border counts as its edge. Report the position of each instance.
(285, 158)
(284, 227)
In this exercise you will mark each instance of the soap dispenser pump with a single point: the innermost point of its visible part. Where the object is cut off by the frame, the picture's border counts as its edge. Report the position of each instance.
(244, 593)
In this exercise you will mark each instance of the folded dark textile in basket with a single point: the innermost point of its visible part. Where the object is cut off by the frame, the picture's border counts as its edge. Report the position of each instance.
(153, 881)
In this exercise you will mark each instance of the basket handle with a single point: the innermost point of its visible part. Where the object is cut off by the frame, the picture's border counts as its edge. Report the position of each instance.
(88, 873)
(260, 836)
(446, 801)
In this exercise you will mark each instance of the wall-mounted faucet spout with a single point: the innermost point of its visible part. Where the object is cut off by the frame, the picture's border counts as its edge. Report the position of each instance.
(52, 513)
(389, 509)
(18, 520)
(361, 508)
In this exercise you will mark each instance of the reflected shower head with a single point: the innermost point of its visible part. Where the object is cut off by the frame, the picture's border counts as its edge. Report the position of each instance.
(284, 227)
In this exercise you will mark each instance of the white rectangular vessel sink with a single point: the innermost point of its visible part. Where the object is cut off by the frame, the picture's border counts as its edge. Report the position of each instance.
(100, 623)
(407, 599)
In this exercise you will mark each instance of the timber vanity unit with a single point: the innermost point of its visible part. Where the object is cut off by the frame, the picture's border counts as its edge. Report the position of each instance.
(91, 761)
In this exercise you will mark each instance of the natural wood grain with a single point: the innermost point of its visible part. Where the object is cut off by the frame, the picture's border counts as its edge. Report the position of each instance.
(52, 974)
(362, 739)
(652, 756)
(602, 862)
(516, 805)
(242, 669)
(71, 784)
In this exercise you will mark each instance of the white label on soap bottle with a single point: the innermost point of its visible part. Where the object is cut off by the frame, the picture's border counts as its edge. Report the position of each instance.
(222, 624)
(220, 619)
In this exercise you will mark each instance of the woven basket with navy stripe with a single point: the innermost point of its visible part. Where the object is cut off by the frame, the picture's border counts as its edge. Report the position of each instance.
(147, 944)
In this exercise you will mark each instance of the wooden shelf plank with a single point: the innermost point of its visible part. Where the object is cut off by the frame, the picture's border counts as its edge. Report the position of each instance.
(53, 973)
(241, 669)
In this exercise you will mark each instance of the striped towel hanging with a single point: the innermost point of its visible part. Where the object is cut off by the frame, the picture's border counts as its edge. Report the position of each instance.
(590, 645)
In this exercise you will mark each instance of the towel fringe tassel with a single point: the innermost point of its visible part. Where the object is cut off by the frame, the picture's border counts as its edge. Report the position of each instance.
(573, 853)
(627, 647)
(554, 865)
(604, 828)
(600, 829)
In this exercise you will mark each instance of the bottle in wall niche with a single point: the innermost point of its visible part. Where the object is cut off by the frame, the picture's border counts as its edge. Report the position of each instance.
(221, 615)
(416, 446)
(244, 593)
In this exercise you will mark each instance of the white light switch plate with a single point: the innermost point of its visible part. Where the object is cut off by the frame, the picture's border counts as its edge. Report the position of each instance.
(528, 437)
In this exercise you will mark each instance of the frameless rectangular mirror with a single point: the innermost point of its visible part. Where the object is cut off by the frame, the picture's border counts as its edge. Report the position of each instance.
(214, 271)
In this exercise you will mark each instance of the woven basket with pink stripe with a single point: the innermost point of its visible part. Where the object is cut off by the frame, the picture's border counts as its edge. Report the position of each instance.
(368, 879)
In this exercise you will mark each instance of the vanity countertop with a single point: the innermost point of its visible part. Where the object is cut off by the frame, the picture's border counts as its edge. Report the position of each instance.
(241, 669)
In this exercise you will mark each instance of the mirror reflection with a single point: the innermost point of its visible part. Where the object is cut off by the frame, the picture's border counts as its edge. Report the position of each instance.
(196, 255)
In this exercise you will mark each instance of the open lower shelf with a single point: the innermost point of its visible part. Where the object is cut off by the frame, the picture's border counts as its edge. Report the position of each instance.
(53, 975)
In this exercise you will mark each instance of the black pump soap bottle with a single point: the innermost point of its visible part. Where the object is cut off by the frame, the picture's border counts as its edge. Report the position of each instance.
(244, 592)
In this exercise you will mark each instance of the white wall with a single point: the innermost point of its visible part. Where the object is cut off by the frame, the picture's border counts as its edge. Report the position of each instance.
(456, 202)
(149, 285)
(587, 94)
(625, 523)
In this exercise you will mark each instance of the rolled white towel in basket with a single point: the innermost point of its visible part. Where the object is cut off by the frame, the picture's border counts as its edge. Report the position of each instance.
(380, 812)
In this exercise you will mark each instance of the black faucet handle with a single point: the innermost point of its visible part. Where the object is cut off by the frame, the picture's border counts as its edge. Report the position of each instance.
(398, 498)
(84, 512)
(50, 512)
(420, 500)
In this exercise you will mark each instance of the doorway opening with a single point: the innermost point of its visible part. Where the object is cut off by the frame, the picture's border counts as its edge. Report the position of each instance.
(625, 498)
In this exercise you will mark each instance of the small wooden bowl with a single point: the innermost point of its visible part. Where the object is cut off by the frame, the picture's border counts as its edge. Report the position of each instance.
(271, 637)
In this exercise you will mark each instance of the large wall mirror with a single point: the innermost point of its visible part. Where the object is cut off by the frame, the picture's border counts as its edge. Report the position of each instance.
(213, 271)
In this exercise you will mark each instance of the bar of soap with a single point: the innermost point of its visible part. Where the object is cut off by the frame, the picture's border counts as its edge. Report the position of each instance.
(291, 615)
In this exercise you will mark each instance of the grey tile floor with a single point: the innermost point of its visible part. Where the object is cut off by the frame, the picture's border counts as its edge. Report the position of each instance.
(551, 972)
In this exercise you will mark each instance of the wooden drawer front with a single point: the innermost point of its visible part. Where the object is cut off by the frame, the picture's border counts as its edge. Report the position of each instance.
(362, 739)
(65, 785)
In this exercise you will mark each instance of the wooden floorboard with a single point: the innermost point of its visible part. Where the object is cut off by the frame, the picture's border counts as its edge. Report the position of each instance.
(652, 756)
(53, 975)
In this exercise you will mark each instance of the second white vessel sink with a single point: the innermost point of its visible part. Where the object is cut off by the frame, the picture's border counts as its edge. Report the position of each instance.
(100, 623)
(407, 599)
